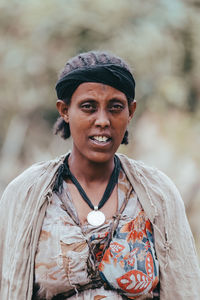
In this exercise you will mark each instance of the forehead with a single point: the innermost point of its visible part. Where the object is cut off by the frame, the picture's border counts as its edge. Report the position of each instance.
(95, 89)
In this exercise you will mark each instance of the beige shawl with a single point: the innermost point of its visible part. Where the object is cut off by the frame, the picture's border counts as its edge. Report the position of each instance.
(23, 206)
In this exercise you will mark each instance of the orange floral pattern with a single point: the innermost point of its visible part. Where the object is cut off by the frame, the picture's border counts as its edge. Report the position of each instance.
(130, 264)
(61, 260)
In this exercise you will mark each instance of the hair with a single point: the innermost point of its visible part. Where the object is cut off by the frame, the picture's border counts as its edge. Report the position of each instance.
(87, 59)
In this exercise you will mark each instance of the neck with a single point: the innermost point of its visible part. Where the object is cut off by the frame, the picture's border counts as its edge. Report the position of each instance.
(89, 171)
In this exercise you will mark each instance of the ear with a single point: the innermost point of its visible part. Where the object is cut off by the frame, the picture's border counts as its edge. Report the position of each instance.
(132, 108)
(62, 108)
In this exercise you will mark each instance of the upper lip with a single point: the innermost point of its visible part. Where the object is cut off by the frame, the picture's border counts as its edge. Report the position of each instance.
(101, 134)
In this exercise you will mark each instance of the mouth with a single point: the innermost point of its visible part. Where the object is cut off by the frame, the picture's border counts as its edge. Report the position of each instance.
(100, 139)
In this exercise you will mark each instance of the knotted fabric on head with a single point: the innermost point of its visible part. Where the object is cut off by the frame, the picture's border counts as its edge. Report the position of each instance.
(109, 74)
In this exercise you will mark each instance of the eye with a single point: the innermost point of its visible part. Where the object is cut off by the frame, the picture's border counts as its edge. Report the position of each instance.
(116, 107)
(88, 107)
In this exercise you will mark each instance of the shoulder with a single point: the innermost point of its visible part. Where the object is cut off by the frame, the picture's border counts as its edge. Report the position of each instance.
(136, 166)
(154, 180)
(140, 170)
(32, 175)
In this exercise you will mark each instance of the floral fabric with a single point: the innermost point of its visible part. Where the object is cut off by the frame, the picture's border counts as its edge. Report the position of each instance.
(129, 264)
(63, 252)
(178, 263)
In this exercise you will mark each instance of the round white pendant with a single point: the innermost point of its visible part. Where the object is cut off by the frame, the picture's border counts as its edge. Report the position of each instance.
(96, 218)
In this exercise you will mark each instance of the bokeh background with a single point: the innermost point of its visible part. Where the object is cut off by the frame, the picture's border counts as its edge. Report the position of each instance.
(160, 39)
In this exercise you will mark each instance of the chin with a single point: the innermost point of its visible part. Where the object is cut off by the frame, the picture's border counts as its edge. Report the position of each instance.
(101, 157)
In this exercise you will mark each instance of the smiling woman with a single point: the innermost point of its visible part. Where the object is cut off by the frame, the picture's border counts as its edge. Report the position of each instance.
(98, 115)
(94, 224)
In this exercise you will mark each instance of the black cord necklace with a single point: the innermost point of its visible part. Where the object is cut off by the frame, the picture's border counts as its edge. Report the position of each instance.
(96, 217)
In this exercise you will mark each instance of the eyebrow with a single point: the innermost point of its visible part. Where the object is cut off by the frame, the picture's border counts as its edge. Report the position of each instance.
(117, 99)
(110, 100)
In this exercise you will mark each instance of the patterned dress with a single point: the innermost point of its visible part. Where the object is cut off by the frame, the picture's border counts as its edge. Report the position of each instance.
(128, 267)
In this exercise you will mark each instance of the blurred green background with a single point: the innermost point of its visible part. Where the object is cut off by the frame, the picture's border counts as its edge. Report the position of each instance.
(161, 42)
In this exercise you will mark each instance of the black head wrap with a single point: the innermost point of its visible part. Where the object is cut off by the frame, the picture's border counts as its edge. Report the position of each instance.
(109, 74)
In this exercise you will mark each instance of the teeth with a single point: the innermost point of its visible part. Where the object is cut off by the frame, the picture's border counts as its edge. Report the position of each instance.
(100, 138)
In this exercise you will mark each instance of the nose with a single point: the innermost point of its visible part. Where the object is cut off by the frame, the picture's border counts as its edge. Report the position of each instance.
(102, 119)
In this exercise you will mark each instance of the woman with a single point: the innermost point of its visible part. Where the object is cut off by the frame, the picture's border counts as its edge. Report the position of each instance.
(94, 224)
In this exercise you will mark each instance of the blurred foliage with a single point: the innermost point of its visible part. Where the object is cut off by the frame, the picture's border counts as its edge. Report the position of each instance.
(160, 39)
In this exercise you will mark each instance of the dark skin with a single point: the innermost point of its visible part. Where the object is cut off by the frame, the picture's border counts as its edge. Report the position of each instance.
(98, 116)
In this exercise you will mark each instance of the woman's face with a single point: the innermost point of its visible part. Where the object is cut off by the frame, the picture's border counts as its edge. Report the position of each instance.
(98, 116)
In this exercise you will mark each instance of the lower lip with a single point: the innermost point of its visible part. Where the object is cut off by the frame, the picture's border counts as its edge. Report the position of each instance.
(100, 144)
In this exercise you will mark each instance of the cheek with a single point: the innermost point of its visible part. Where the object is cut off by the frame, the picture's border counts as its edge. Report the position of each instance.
(121, 124)
(79, 126)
